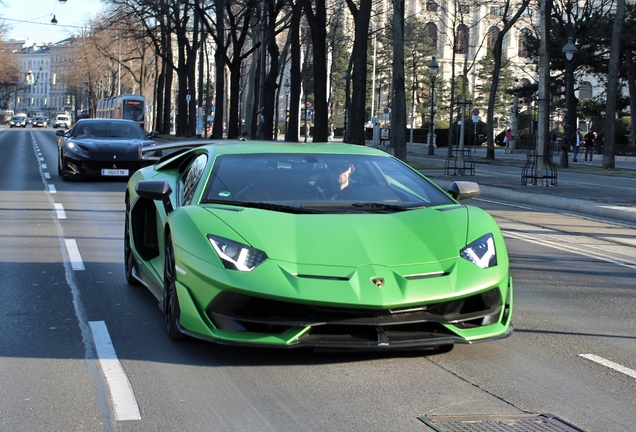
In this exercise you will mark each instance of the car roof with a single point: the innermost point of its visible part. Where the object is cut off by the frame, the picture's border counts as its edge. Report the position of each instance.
(219, 148)
(256, 147)
(105, 120)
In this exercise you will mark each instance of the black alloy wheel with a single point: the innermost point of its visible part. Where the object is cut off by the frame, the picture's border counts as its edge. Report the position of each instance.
(60, 167)
(171, 309)
(129, 258)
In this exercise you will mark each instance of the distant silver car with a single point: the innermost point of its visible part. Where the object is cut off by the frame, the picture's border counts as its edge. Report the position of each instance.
(18, 120)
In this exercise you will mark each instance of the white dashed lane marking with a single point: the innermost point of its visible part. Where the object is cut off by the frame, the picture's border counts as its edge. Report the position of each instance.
(610, 364)
(59, 209)
(121, 392)
(74, 255)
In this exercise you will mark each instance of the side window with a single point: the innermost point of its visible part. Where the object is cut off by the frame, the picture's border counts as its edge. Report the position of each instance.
(191, 178)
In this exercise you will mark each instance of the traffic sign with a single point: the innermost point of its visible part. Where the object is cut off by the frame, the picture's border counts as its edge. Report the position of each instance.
(475, 112)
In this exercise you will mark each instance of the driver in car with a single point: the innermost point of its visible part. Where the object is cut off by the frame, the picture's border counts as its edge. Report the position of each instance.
(86, 132)
(336, 184)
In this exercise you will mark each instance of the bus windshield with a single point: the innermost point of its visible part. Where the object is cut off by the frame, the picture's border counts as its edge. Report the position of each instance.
(133, 110)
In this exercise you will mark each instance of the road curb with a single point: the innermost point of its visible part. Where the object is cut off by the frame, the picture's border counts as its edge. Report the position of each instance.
(626, 214)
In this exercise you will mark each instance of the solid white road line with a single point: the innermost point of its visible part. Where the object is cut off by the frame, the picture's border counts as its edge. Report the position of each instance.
(610, 364)
(61, 213)
(74, 255)
(121, 392)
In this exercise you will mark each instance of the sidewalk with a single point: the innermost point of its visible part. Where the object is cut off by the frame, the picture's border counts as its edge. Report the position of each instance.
(582, 188)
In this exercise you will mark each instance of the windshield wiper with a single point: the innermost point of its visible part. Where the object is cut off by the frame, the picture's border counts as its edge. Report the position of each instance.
(359, 207)
(265, 206)
(385, 206)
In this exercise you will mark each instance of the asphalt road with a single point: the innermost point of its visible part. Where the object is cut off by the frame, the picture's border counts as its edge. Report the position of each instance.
(574, 296)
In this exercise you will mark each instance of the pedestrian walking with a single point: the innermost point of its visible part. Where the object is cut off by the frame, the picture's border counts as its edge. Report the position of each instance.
(589, 145)
(576, 144)
(507, 137)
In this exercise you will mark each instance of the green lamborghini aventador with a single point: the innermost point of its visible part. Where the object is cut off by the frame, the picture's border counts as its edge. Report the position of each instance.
(317, 245)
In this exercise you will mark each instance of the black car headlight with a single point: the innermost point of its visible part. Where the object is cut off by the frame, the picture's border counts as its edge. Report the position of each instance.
(481, 252)
(237, 256)
(77, 149)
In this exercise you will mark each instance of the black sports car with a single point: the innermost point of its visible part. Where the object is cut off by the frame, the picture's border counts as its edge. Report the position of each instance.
(102, 148)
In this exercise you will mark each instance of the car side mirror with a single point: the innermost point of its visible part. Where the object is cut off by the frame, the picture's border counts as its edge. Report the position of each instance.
(59, 132)
(461, 190)
(155, 190)
(153, 134)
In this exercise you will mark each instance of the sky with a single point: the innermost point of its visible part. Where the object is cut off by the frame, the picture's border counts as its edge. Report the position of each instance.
(31, 19)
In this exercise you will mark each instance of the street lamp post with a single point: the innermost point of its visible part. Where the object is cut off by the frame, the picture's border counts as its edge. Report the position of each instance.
(514, 118)
(570, 50)
(287, 86)
(434, 68)
(240, 120)
(346, 77)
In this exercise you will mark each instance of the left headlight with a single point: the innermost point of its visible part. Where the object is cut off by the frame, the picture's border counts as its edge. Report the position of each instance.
(481, 252)
(237, 256)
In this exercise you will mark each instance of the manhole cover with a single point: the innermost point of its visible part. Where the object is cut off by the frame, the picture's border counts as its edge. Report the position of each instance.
(517, 423)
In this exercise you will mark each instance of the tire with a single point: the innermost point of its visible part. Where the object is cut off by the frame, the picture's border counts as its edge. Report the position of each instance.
(60, 170)
(129, 259)
(171, 309)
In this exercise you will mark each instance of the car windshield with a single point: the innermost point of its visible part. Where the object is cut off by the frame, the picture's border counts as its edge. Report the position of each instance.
(107, 129)
(328, 182)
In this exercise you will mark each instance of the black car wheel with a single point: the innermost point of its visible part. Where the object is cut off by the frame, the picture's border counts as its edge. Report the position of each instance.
(129, 258)
(60, 168)
(171, 309)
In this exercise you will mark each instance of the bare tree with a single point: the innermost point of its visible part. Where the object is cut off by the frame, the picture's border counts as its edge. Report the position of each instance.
(316, 14)
(612, 87)
(398, 105)
(510, 13)
(356, 111)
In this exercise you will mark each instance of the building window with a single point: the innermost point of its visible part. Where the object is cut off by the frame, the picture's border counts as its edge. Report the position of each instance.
(461, 39)
(493, 34)
(431, 6)
(585, 90)
(495, 10)
(523, 43)
(432, 33)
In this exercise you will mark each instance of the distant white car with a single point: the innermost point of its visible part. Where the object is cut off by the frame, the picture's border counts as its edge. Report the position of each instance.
(62, 120)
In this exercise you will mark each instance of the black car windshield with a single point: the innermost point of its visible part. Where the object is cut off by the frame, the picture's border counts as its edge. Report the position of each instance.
(329, 182)
(107, 129)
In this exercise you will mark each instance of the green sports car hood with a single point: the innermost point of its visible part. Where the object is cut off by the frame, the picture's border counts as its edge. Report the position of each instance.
(429, 235)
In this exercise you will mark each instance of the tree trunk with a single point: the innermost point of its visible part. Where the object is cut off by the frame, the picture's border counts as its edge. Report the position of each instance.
(398, 103)
(612, 87)
(357, 108)
(318, 24)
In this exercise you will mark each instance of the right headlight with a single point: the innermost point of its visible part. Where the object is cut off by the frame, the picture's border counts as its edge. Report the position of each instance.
(237, 256)
(481, 252)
